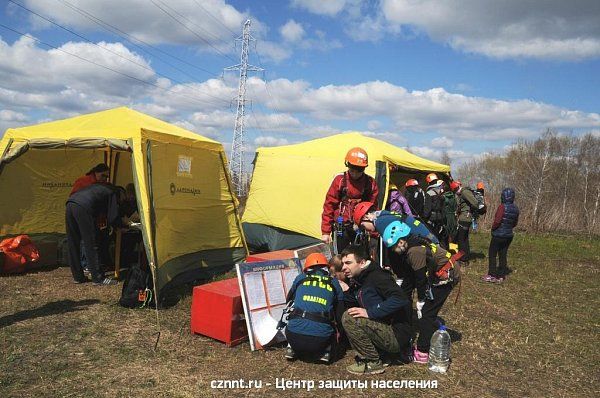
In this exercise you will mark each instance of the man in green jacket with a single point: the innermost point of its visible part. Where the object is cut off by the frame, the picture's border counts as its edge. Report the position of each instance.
(467, 208)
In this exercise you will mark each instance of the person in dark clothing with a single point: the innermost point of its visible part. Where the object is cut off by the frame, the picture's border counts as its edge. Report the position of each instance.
(83, 207)
(433, 209)
(505, 220)
(132, 237)
(317, 298)
(467, 210)
(415, 197)
(377, 321)
(433, 276)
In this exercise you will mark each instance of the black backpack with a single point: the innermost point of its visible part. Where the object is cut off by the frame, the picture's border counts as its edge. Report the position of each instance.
(137, 289)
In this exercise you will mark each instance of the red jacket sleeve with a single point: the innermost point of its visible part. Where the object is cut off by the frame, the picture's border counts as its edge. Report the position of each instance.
(498, 217)
(331, 205)
(82, 182)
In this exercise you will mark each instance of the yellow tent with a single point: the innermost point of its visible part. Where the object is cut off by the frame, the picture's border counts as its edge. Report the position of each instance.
(289, 184)
(189, 218)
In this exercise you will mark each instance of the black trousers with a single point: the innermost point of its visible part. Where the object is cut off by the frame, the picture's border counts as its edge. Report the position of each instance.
(81, 228)
(427, 323)
(462, 240)
(312, 345)
(498, 247)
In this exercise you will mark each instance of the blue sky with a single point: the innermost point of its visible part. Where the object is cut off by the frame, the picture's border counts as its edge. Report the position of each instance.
(463, 77)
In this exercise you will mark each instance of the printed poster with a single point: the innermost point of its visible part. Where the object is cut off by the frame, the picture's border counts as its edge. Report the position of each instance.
(264, 287)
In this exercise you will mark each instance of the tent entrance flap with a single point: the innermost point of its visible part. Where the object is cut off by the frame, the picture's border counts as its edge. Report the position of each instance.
(191, 208)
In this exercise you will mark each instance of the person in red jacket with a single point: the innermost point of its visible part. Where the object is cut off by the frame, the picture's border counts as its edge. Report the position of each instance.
(346, 191)
(98, 173)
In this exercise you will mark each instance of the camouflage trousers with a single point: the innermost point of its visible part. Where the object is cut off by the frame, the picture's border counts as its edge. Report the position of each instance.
(368, 337)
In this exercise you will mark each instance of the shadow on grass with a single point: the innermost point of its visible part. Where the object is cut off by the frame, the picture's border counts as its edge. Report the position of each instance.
(53, 308)
(477, 255)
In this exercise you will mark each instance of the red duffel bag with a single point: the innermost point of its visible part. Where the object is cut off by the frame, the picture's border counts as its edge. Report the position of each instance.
(18, 252)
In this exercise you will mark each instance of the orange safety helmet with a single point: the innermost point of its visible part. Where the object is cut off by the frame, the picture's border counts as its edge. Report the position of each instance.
(411, 183)
(314, 260)
(360, 210)
(357, 157)
(480, 185)
(454, 185)
(431, 177)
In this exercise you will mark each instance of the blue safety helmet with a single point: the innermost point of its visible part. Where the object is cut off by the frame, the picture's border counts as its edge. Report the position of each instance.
(394, 232)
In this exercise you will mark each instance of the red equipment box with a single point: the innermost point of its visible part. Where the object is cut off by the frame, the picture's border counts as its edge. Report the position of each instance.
(217, 312)
(276, 255)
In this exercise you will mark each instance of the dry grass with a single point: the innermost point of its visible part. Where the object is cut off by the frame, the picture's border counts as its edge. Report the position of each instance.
(534, 336)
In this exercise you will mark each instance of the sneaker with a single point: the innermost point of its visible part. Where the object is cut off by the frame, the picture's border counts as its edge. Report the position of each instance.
(366, 367)
(290, 354)
(106, 282)
(326, 357)
(500, 279)
(489, 278)
(420, 357)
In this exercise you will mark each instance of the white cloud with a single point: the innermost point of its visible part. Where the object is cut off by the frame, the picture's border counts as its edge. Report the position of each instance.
(373, 124)
(321, 7)
(553, 29)
(442, 142)
(270, 141)
(292, 31)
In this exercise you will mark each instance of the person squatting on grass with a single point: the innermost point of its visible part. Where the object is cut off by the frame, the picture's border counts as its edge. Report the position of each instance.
(505, 220)
(318, 302)
(377, 321)
(433, 275)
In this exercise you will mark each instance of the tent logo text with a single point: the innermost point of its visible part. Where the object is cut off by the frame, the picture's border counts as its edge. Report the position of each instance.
(174, 189)
(56, 184)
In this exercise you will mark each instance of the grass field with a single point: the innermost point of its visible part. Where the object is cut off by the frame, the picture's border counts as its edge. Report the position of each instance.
(534, 336)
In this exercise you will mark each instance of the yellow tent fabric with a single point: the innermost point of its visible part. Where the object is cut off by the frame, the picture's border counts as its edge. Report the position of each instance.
(189, 215)
(289, 182)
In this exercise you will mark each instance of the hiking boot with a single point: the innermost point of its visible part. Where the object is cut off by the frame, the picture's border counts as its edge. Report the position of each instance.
(420, 357)
(326, 357)
(366, 367)
(290, 354)
(489, 278)
(106, 282)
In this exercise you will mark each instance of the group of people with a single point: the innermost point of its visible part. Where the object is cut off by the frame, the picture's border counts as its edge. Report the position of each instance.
(94, 205)
(365, 297)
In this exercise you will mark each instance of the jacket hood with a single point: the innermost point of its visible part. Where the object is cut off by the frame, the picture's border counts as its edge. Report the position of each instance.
(508, 195)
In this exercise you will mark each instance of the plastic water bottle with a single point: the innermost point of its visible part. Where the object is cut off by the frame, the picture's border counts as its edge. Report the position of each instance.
(474, 225)
(340, 226)
(439, 351)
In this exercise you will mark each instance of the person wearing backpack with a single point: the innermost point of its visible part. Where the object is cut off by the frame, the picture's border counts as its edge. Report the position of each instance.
(468, 207)
(317, 306)
(505, 220)
(415, 197)
(433, 210)
(345, 192)
(397, 202)
(435, 272)
(450, 215)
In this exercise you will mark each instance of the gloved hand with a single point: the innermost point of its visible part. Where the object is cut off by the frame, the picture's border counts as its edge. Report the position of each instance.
(420, 305)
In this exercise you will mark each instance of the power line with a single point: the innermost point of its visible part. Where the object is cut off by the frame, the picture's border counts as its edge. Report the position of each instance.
(108, 49)
(215, 18)
(103, 66)
(187, 28)
(127, 37)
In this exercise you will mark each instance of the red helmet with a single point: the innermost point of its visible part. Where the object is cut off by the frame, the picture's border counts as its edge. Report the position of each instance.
(360, 210)
(411, 183)
(314, 260)
(357, 157)
(431, 177)
(454, 185)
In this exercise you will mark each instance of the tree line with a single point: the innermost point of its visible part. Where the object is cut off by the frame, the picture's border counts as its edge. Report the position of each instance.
(556, 179)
